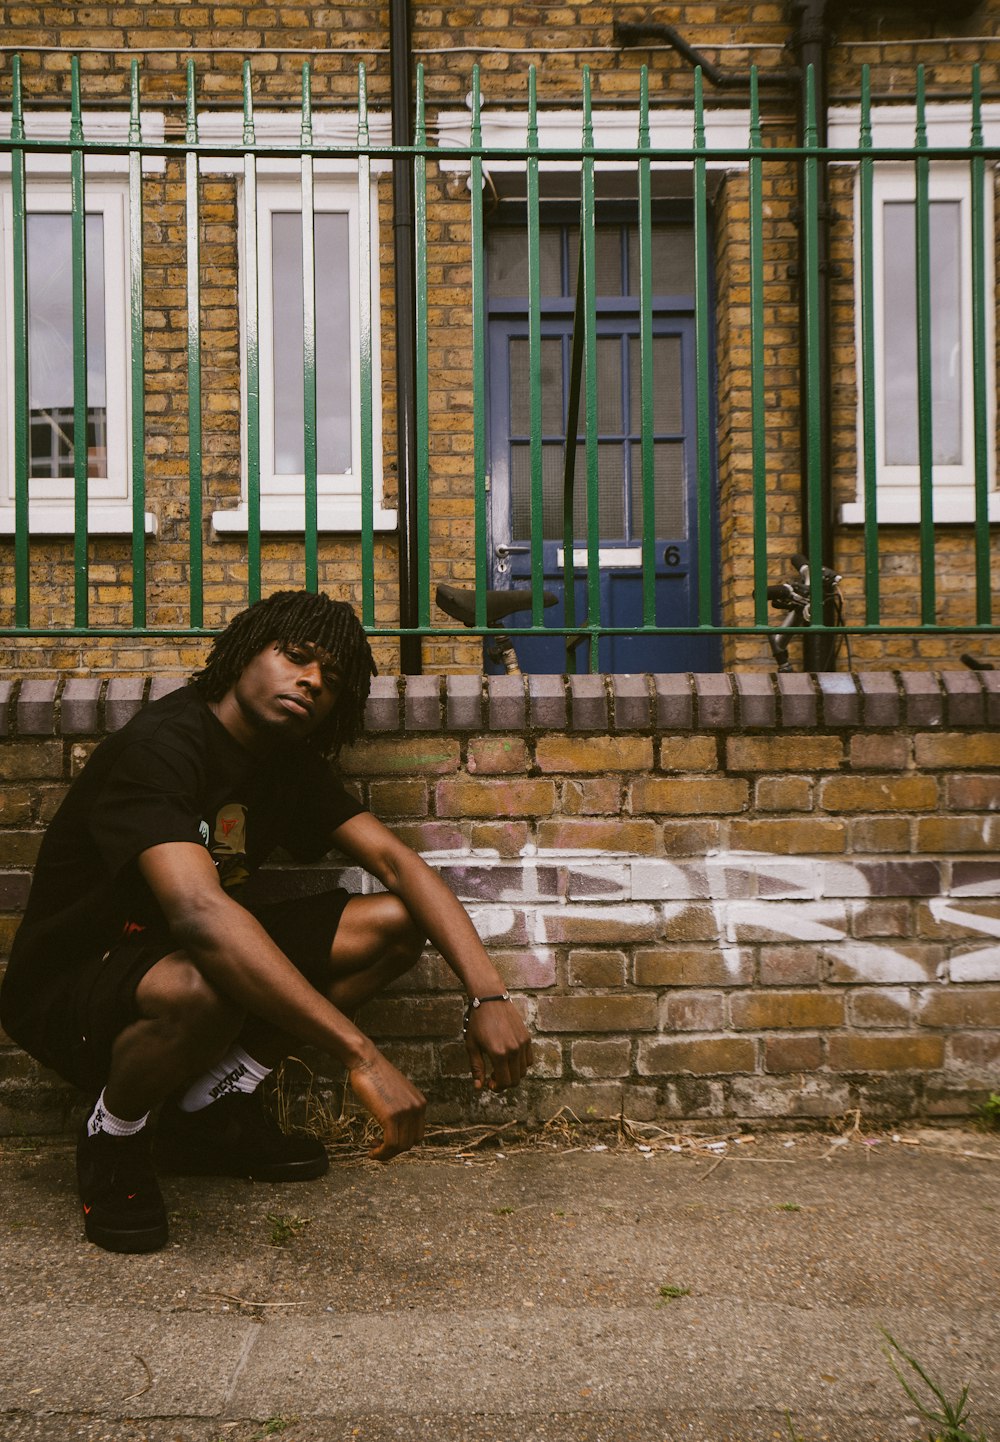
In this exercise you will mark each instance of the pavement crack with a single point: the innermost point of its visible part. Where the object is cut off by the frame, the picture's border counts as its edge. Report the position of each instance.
(251, 1341)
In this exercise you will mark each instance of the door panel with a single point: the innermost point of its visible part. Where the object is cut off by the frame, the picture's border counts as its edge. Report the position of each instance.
(619, 455)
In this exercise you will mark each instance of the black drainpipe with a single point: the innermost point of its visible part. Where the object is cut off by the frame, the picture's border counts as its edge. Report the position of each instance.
(810, 45)
(410, 648)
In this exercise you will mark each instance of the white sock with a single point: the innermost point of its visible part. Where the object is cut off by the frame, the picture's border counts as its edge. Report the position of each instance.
(101, 1120)
(236, 1072)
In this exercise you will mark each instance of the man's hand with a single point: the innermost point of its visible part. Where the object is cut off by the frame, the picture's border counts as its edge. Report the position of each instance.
(393, 1101)
(498, 1035)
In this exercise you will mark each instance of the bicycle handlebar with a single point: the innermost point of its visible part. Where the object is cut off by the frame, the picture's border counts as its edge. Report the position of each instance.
(795, 599)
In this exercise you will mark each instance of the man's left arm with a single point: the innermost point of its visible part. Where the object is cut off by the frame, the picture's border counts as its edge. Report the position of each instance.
(496, 1032)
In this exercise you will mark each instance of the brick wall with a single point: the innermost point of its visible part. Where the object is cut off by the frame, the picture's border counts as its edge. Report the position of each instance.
(714, 897)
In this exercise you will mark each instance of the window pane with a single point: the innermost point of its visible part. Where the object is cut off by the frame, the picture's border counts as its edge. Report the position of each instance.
(900, 322)
(50, 345)
(607, 257)
(609, 387)
(507, 262)
(333, 351)
(668, 491)
(610, 469)
(672, 254)
(666, 384)
(552, 387)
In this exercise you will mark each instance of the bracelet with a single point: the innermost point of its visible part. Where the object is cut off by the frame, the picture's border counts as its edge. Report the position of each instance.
(475, 1002)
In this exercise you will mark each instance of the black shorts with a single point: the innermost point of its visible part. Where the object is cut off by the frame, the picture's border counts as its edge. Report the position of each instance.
(77, 1031)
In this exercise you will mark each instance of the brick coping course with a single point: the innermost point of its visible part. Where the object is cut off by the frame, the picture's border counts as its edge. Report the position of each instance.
(741, 700)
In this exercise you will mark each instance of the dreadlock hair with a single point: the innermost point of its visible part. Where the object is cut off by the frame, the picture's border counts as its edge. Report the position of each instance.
(291, 618)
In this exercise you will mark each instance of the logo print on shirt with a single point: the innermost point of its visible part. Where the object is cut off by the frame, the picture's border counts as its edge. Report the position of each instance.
(229, 844)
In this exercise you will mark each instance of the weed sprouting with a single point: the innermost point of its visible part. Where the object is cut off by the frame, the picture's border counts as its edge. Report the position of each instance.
(988, 1112)
(670, 1294)
(792, 1434)
(950, 1419)
(284, 1229)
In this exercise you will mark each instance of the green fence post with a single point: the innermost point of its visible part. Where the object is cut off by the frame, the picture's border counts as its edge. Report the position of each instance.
(757, 413)
(535, 359)
(703, 361)
(925, 401)
(649, 527)
(365, 329)
(423, 361)
(869, 460)
(588, 221)
(478, 352)
(138, 386)
(977, 166)
(80, 436)
(251, 270)
(309, 456)
(191, 211)
(22, 524)
(813, 366)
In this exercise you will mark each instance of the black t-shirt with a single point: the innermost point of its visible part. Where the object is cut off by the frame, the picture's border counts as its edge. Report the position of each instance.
(174, 773)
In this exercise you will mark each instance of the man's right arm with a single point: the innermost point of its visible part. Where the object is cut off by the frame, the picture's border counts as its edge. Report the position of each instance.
(235, 954)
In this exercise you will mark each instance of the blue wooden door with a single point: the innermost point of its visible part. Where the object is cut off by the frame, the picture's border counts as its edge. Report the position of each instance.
(620, 500)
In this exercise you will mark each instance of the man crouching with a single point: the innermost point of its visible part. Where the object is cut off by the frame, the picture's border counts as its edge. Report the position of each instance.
(145, 973)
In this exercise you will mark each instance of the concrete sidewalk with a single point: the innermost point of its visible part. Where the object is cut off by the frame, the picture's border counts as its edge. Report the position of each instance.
(515, 1295)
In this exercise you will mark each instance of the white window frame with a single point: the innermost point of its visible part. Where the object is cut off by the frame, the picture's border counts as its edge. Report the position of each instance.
(336, 190)
(898, 484)
(893, 126)
(109, 498)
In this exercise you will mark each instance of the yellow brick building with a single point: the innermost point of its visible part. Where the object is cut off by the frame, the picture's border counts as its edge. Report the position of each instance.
(713, 436)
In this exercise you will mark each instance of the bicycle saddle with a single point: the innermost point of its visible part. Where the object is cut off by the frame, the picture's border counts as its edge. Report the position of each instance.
(460, 603)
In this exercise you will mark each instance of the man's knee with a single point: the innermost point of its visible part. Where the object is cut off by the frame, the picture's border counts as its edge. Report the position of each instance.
(405, 940)
(176, 993)
(377, 940)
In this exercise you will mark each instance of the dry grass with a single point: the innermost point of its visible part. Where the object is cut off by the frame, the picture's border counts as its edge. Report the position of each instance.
(328, 1112)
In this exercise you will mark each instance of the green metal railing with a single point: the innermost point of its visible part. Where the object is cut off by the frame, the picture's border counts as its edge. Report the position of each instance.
(640, 156)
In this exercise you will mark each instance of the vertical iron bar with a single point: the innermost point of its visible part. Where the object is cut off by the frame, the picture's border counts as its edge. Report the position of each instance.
(649, 528)
(977, 166)
(138, 387)
(535, 358)
(365, 328)
(813, 418)
(478, 353)
(22, 532)
(423, 361)
(569, 464)
(309, 455)
(251, 268)
(79, 263)
(757, 412)
(401, 90)
(195, 578)
(703, 361)
(925, 399)
(868, 435)
(587, 231)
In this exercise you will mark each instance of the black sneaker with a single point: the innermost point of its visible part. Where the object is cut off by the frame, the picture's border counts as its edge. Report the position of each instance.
(123, 1210)
(235, 1137)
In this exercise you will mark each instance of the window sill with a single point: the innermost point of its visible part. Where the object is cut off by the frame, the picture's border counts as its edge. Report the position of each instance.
(342, 516)
(56, 520)
(902, 508)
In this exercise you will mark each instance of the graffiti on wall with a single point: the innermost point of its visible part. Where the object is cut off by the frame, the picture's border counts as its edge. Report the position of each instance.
(879, 922)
